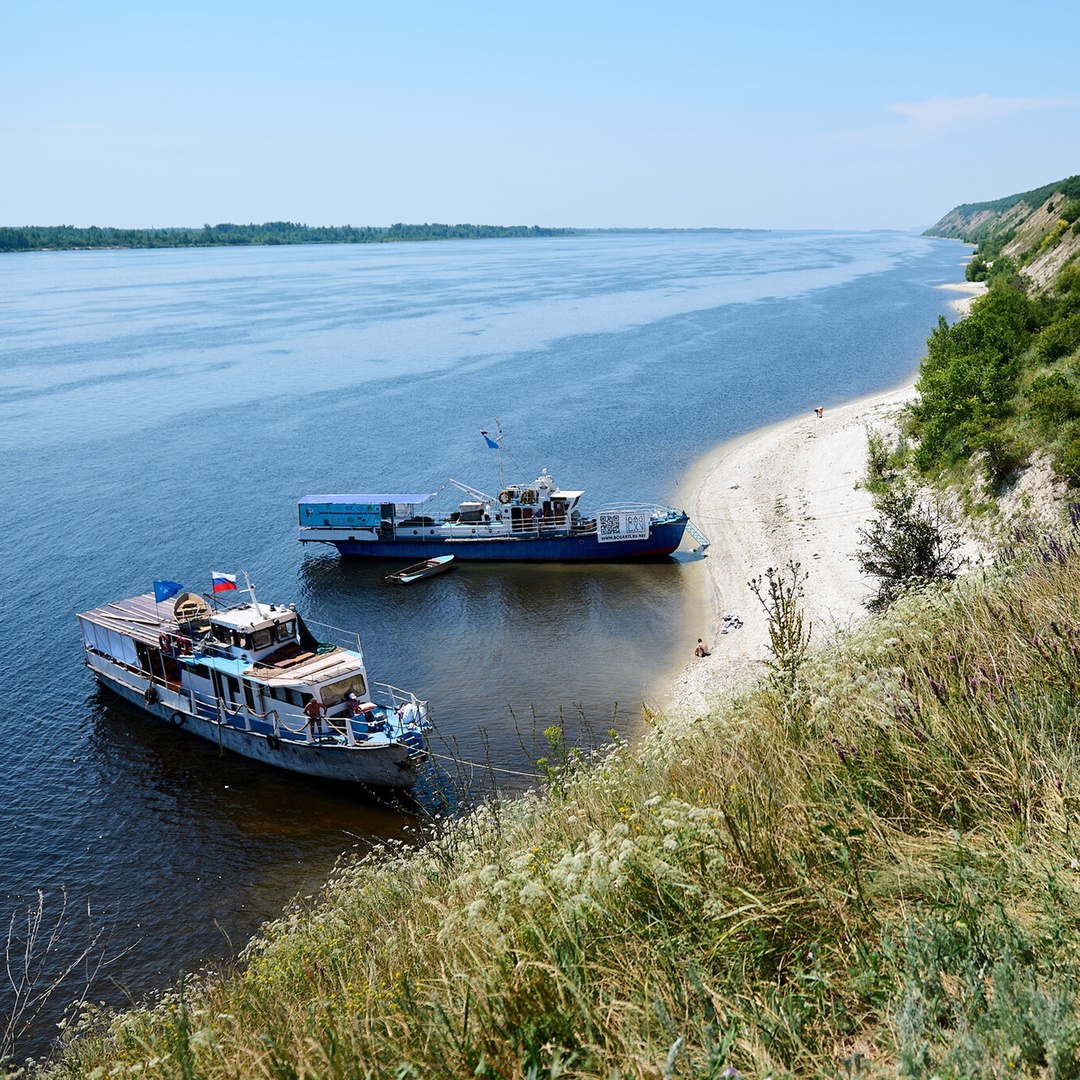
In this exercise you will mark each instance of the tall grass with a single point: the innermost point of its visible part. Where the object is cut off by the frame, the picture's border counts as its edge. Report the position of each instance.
(870, 871)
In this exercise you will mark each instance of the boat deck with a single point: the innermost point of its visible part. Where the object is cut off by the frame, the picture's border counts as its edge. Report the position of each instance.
(140, 617)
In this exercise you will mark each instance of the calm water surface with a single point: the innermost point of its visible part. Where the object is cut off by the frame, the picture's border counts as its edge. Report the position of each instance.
(161, 412)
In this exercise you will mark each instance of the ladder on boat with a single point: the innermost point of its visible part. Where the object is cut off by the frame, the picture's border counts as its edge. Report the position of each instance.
(697, 534)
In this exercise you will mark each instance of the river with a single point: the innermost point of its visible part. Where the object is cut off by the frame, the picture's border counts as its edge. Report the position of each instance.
(162, 412)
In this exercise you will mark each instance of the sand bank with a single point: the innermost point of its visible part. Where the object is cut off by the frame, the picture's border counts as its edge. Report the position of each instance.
(792, 491)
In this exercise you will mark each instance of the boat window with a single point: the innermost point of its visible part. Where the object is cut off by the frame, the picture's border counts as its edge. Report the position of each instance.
(249, 695)
(199, 671)
(261, 638)
(220, 633)
(234, 687)
(338, 691)
(294, 697)
(286, 630)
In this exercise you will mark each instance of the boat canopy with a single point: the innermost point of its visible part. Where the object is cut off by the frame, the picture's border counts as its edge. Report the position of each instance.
(370, 500)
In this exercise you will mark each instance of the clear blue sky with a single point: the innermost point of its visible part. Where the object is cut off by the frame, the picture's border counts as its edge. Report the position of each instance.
(769, 115)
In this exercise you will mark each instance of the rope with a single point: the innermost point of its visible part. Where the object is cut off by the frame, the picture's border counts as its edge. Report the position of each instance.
(480, 765)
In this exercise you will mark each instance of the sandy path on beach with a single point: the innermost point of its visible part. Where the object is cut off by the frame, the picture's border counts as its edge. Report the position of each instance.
(792, 491)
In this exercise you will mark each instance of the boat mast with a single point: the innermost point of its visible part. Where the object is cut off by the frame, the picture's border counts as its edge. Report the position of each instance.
(251, 591)
(498, 439)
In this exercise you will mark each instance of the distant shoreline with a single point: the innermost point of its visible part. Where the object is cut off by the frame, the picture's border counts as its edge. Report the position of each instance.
(15, 239)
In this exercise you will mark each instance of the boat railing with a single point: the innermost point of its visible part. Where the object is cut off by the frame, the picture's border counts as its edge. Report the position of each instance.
(345, 639)
(654, 510)
(399, 697)
(228, 708)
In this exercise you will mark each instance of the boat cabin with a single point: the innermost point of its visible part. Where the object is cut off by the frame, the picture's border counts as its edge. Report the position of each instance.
(243, 661)
(536, 508)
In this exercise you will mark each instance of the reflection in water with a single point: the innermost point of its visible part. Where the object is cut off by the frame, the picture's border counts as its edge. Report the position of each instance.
(492, 642)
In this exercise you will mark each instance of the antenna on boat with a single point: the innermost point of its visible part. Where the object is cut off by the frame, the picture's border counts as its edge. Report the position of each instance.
(496, 444)
(498, 439)
(251, 591)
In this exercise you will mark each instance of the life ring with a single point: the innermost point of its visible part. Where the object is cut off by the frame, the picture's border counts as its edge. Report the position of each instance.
(178, 719)
(528, 496)
(163, 642)
(505, 497)
(150, 694)
(273, 742)
(183, 646)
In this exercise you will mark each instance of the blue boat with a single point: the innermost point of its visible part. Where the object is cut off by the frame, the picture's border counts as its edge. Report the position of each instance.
(253, 679)
(537, 522)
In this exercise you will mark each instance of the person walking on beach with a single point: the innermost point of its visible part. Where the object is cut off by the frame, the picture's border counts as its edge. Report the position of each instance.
(702, 649)
(820, 412)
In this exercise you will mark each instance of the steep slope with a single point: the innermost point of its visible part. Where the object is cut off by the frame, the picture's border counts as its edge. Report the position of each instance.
(1039, 229)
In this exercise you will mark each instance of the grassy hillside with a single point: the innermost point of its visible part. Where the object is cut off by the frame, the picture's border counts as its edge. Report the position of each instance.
(867, 870)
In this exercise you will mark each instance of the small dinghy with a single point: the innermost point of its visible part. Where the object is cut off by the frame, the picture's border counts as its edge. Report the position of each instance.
(427, 568)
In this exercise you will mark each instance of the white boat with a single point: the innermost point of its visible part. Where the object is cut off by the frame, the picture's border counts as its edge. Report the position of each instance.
(535, 522)
(418, 571)
(241, 674)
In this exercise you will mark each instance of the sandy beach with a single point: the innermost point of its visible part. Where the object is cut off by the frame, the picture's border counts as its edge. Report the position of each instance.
(790, 492)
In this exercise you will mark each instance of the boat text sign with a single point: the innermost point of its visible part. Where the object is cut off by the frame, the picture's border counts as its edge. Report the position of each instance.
(364, 515)
(612, 525)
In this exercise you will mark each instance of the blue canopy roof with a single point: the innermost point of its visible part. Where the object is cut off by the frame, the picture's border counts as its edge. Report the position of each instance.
(372, 499)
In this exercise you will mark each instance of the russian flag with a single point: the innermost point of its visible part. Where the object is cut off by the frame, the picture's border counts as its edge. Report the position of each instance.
(223, 582)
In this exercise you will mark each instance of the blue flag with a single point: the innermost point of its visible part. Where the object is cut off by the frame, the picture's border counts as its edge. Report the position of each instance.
(164, 589)
(493, 443)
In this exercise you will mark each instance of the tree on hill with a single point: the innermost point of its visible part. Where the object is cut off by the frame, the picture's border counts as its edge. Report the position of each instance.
(907, 545)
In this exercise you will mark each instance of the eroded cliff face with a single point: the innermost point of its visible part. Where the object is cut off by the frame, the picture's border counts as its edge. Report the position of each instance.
(1050, 236)
(969, 223)
(1030, 226)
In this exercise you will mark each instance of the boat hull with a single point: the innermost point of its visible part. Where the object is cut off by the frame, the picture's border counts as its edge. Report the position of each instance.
(389, 765)
(663, 539)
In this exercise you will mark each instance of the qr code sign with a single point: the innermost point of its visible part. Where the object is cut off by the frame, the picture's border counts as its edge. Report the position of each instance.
(621, 525)
(610, 526)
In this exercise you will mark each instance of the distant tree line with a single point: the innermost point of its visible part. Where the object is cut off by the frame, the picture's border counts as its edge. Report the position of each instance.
(70, 238)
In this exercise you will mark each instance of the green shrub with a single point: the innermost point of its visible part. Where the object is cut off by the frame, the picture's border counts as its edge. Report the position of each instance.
(1053, 400)
(1070, 212)
(1067, 461)
(907, 545)
(1060, 338)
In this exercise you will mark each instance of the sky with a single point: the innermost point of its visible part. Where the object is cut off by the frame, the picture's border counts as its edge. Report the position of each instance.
(576, 113)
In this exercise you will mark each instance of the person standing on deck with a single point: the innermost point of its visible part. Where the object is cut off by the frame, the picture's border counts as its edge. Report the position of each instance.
(315, 710)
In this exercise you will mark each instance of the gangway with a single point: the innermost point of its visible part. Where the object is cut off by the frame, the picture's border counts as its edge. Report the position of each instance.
(697, 534)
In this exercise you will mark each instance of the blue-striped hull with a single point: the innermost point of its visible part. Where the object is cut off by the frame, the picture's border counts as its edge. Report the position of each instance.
(662, 540)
